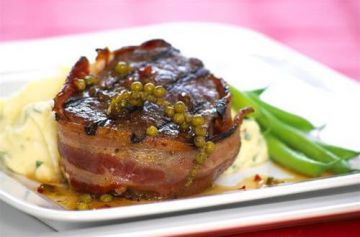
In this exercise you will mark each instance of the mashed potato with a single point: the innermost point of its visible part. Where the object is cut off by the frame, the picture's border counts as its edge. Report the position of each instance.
(253, 151)
(28, 143)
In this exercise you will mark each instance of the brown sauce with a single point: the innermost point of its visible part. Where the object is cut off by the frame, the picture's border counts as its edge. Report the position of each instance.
(69, 199)
(249, 183)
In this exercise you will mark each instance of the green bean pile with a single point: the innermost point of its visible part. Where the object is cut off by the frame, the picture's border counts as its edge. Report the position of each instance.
(288, 141)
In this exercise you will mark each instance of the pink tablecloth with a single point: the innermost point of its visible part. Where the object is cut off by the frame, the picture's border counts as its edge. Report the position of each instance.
(328, 31)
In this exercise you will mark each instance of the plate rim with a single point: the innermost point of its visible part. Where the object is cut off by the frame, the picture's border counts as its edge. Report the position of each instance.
(183, 204)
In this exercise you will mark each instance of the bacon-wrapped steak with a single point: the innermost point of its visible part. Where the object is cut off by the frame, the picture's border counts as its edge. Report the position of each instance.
(117, 135)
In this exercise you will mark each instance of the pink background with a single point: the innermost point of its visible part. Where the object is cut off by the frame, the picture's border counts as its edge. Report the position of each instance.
(326, 30)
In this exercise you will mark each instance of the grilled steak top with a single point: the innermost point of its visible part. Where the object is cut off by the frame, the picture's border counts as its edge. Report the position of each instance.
(154, 61)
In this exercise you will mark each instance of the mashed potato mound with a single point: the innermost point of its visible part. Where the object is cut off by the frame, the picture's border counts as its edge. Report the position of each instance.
(28, 142)
(253, 151)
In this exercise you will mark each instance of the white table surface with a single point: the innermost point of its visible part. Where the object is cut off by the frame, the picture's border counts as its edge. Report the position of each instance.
(15, 223)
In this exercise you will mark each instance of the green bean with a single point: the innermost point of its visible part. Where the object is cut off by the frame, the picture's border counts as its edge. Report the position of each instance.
(241, 100)
(343, 153)
(295, 161)
(288, 118)
(300, 123)
(289, 135)
(299, 141)
(257, 92)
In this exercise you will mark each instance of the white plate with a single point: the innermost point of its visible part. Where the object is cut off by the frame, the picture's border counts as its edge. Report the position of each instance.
(242, 57)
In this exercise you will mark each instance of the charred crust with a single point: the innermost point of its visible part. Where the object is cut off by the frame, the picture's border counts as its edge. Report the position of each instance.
(90, 129)
(221, 107)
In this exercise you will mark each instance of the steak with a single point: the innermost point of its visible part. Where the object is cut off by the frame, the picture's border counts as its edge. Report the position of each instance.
(107, 150)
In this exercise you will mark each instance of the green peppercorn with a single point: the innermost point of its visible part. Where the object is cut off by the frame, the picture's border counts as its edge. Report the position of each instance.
(149, 88)
(123, 69)
(91, 80)
(151, 131)
(80, 84)
(113, 107)
(200, 131)
(194, 171)
(200, 157)
(85, 198)
(125, 94)
(116, 99)
(160, 101)
(199, 141)
(166, 104)
(82, 206)
(106, 198)
(180, 107)
(209, 147)
(135, 95)
(188, 117)
(184, 127)
(151, 98)
(136, 86)
(169, 111)
(122, 103)
(136, 102)
(133, 102)
(178, 118)
(143, 96)
(159, 91)
(197, 120)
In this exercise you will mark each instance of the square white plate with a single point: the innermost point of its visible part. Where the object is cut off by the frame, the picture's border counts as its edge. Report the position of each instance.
(245, 59)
